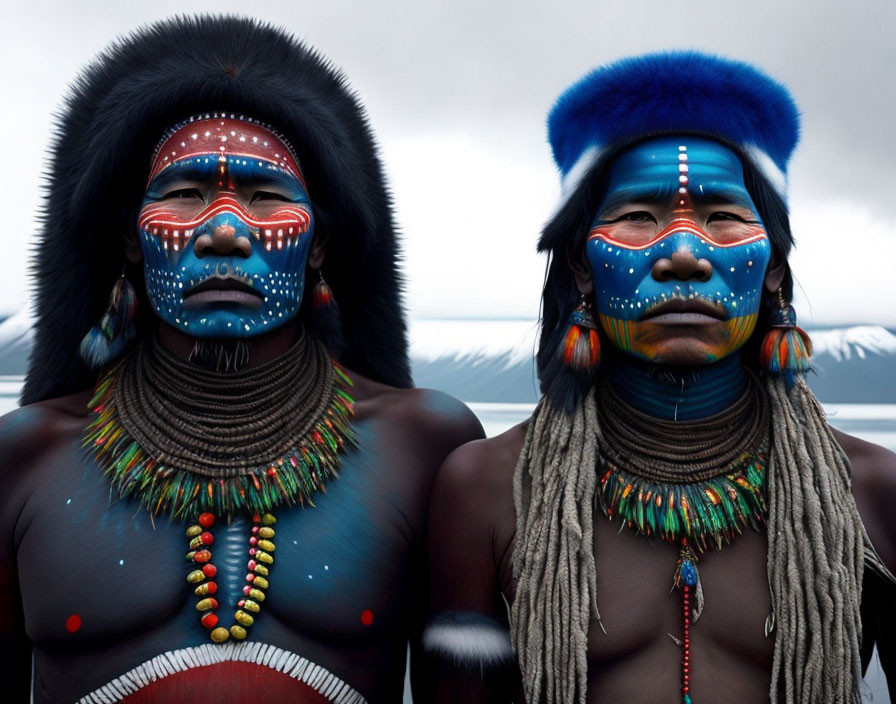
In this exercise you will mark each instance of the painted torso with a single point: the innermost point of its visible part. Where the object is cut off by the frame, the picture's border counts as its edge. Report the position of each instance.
(103, 587)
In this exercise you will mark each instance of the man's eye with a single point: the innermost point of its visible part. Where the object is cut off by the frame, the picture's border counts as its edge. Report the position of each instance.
(268, 195)
(183, 193)
(637, 216)
(723, 215)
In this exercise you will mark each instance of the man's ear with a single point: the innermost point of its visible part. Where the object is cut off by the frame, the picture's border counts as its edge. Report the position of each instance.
(581, 271)
(132, 251)
(774, 274)
(317, 251)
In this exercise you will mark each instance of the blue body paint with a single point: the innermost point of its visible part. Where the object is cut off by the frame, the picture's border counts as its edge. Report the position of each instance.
(678, 393)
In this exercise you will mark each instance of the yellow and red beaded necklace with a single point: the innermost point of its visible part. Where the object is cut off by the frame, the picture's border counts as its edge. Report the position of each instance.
(261, 547)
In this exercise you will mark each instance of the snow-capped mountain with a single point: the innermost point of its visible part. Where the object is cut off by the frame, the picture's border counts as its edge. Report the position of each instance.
(859, 340)
(15, 343)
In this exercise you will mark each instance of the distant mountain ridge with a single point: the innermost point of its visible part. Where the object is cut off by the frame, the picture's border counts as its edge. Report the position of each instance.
(483, 361)
(492, 360)
(15, 344)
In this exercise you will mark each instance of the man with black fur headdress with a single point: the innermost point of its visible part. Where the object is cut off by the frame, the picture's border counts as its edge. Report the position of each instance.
(677, 521)
(221, 181)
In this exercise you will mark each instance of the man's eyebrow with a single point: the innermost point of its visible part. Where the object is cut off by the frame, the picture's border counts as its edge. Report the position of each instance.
(196, 169)
(264, 173)
(657, 194)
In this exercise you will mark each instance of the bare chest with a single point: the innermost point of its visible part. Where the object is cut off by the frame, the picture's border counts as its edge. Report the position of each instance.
(641, 628)
(104, 585)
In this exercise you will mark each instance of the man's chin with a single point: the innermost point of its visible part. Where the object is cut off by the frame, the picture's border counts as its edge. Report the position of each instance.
(227, 323)
(682, 345)
(679, 344)
(686, 348)
(682, 355)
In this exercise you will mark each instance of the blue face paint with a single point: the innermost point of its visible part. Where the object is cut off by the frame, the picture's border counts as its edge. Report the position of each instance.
(677, 252)
(225, 228)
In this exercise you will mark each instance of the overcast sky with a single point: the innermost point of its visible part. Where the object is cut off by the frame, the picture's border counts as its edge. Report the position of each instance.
(458, 92)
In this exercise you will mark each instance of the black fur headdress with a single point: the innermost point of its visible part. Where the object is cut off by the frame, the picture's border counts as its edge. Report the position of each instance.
(118, 109)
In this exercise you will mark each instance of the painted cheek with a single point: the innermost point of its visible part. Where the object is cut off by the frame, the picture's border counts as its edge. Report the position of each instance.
(739, 275)
(620, 277)
(625, 287)
(275, 266)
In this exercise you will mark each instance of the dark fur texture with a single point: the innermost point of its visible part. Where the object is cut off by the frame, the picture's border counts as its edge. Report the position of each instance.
(120, 106)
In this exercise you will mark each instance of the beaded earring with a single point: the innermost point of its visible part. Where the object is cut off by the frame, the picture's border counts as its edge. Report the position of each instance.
(324, 310)
(322, 294)
(580, 350)
(107, 340)
(786, 348)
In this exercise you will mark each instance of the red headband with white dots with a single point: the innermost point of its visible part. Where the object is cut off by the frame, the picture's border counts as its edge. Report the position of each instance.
(229, 137)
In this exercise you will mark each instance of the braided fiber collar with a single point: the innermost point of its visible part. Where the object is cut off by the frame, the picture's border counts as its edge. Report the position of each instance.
(701, 480)
(184, 440)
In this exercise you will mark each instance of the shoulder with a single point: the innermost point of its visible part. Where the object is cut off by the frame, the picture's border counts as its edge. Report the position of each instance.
(874, 488)
(33, 430)
(29, 436)
(474, 486)
(486, 465)
(431, 416)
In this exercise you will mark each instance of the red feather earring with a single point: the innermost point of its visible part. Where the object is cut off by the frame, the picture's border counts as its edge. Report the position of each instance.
(786, 348)
(580, 350)
(322, 294)
(324, 310)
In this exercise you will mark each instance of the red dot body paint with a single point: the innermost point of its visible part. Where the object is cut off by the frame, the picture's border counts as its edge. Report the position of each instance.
(367, 617)
(73, 623)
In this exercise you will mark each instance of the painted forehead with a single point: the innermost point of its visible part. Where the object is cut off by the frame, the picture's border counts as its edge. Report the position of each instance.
(658, 169)
(227, 138)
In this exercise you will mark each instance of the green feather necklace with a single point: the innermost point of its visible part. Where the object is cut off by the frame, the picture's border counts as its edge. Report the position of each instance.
(184, 440)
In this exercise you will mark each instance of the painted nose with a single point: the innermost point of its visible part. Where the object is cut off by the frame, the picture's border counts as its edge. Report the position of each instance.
(681, 266)
(222, 240)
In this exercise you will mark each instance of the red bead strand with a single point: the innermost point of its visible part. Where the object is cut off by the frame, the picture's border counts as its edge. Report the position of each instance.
(260, 559)
(686, 654)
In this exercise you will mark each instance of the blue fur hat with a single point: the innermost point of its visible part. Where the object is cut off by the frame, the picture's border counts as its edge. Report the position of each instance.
(674, 92)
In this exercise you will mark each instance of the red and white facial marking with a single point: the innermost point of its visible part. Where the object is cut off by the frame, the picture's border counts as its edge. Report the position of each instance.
(227, 137)
(162, 221)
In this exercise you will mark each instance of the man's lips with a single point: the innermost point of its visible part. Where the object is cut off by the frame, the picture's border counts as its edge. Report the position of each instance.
(684, 311)
(222, 289)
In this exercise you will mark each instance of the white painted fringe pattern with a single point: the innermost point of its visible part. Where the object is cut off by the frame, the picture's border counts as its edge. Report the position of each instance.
(174, 661)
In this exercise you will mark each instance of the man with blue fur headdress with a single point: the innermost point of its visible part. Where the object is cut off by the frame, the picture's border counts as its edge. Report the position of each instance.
(211, 172)
(677, 445)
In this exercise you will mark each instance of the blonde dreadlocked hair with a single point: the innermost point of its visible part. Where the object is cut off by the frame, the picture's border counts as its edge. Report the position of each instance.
(817, 549)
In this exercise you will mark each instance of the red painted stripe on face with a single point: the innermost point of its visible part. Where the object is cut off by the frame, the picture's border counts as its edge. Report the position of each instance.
(677, 226)
(160, 215)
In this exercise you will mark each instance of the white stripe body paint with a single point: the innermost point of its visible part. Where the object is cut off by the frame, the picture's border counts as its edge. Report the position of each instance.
(262, 654)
